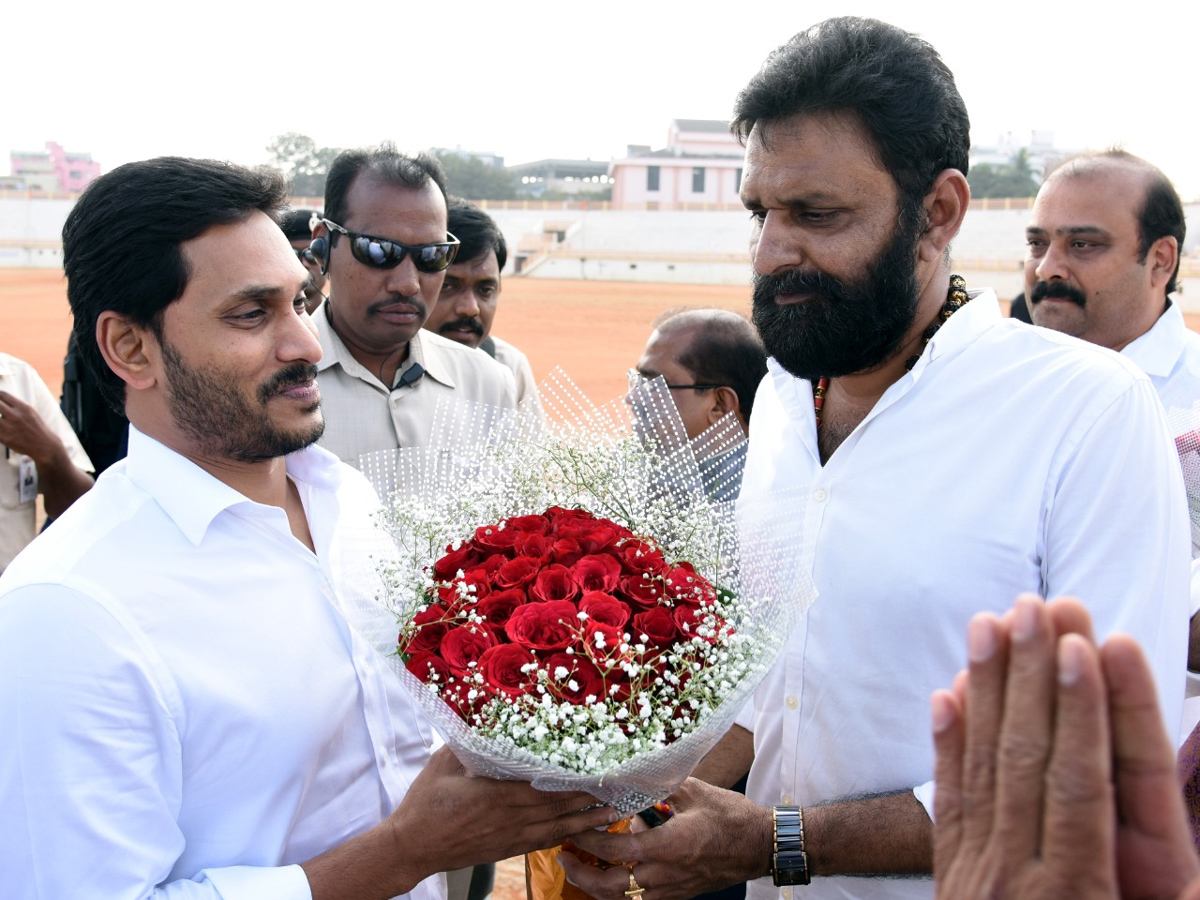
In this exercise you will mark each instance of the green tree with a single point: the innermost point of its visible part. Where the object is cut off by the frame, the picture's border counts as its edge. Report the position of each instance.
(474, 179)
(302, 161)
(1015, 178)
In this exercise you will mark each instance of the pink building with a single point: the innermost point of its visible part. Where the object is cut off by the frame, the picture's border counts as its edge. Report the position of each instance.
(700, 168)
(54, 169)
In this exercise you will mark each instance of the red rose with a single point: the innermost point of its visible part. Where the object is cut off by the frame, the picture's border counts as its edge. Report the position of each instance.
(465, 644)
(604, 608)
(658, 625)
(543, 626)
(554, 583)
(432, 625)
(501, 667)
(602, 640)
(498, 606)
(637, 556)
(495, 539)
(538, 546)
(528, 524)
(574, 678)
(642, 591)
(566, 551)
(688, 588)
(516, 573)
(428, 667)
(455, 561)
(601, 535)
(688, 618)
(597, 572)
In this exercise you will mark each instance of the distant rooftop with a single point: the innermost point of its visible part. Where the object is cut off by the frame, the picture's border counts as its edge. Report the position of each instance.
(702, 125)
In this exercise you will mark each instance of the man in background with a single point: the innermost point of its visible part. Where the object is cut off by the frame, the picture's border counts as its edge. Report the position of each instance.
(384, 243)
(297, 228)
(467, 304)
(41, 455)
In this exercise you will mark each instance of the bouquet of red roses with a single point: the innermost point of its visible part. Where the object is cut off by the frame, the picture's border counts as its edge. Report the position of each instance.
(576, 608)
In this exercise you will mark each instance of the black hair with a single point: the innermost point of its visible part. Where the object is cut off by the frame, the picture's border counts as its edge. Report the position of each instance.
(477, 232)
(384, 162)
(724, 349)
(123, 241)
(894, 82)
(295, 223)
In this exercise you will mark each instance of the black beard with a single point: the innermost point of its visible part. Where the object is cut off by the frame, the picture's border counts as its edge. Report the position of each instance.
(841, 328)
(1058, 289)
(213, 411)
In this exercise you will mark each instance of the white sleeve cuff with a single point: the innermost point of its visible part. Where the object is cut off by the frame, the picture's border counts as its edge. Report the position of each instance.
(257, 883)
(924, 795)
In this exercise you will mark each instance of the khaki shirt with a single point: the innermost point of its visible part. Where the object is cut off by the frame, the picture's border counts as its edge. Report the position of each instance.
(362, 415)
(18, 521)
(518, 362)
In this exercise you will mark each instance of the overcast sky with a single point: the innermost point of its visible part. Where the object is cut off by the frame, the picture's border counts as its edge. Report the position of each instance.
(127, 80)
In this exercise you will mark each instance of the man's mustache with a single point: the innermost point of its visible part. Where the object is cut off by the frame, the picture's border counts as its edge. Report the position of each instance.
(463, 323)
(295, 374)
(396, 302)
(1058, 290)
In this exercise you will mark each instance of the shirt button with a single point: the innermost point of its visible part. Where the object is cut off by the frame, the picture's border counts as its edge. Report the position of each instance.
(786, 894)
(820, 495)
(787, 799)
(792, 702)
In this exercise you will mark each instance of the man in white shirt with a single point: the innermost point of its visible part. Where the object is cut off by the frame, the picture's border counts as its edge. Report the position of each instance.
(384, 243)
(1104, 238)
(42, 455)
(467, 305)
(935, 489)
(186, 710)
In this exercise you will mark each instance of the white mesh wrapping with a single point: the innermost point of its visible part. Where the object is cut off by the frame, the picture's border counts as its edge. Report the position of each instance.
(629, 461)
(1184, 425)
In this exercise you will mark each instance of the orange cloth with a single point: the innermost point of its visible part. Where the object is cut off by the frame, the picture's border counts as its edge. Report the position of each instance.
(545, 878)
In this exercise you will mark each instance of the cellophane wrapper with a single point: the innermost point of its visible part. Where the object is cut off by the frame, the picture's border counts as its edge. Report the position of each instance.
(629, 461)
(1184, 425)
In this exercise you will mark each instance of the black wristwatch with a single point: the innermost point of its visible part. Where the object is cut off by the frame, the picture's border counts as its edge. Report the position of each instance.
(789, 862)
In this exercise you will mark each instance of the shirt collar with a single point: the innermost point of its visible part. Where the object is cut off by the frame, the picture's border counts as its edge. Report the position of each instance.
(421, 349)
(1158, 350)
(193, 498)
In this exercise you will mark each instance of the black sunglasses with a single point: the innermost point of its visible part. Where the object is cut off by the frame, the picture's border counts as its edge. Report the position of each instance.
(382, 253)
(305, 255)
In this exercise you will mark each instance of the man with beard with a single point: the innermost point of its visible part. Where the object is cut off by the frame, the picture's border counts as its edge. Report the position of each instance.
(385, 246)
(186, 709)
(935, 487)
(467, 304)
(1104, 238)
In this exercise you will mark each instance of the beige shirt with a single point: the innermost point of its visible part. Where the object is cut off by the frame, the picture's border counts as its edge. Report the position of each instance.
(18, 521)
(518, 362)
(362, 415)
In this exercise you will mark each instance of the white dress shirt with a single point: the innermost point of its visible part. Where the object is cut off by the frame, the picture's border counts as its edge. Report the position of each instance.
(185, 710)
(1170, 354)
(1009, 459)
(18, 515)
(363, 416)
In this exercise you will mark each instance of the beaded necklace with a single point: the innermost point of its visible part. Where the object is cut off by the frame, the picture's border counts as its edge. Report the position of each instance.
(956, 298)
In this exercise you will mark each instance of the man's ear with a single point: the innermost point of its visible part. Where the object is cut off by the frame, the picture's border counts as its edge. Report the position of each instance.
(130, 350)
(1163, 257)
(945, 206)
(725, 399)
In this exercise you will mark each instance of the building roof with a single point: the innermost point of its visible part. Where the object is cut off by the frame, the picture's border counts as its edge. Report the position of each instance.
(702, 125)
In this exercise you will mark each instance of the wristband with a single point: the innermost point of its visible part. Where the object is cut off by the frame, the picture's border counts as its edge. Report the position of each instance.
(789, 862)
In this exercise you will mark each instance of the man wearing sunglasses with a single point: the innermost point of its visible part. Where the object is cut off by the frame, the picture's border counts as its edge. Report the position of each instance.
(384, 243)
